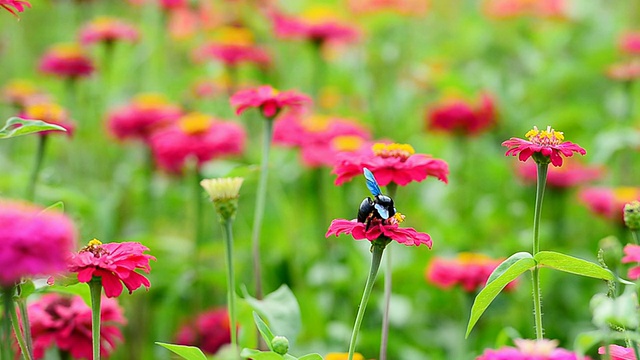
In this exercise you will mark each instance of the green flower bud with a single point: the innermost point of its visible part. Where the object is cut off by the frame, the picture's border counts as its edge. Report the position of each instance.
(280, 345)
(632, 215)
(224, 193)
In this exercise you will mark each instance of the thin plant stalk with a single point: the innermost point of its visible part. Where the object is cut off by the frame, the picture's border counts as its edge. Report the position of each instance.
(5, 334)
(26, 354)
(35, 172)
(261, 200)
(376, 256)
(388, 283)
(198, 234)
(537, 301)
(95, 287)
(26, 326)
(231, 293)
(636, 238)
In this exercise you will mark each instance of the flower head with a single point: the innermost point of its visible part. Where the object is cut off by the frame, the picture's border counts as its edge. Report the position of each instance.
(397, 163)
(459, 117)
(572, 174)
(619, 352)
(544, 145)
(378, 228)
(507, 9)
(625, 71)
(531, 350)
(632, 255)
(66, 322)
(17, 5)
(318, 24)
(21, 92)
(632, 215)
(402, 7)
(66, 61)
(144, 114)
(114, 263)
(34, 242)
(468, 270)
(233, 46)
(224, 193)
(108, 30)
(629, 42)
(169, 5)
(343, 356)
(209, 332)
(269, 100)
(51, 113)
(609, 202)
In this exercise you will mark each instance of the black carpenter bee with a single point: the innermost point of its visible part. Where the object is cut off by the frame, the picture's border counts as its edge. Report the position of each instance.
(380, 207)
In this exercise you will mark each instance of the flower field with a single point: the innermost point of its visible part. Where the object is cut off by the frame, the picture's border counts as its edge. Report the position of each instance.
(336, 179)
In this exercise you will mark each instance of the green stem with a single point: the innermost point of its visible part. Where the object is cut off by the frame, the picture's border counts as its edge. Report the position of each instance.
(26, 326)
(95, 287)
(260, 205)
(388, 284)
(33, 179)
(198, 235)
(537, 301)
(26, 354)
(231, 292)
(636, 237)
(375, 264)
(5, 330)
(635, 349)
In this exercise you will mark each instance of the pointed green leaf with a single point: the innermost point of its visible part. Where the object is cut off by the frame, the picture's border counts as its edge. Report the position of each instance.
(186, 352)
(280, 310)
(260, 355)
(505, 273)
(311, 357)
(266, 333)
(573, 265)
(12, 128)
(57, 206)
(26, 288)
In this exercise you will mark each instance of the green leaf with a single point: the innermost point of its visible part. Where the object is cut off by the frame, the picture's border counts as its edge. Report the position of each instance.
(57, 206)
(311, 357)
(573, 265)
(505, 273)
(260, 355)
(586, 341)
(26, 288)
(186, 352)
(80, 289)
(281, 311)
(11, 128)
(266, 333)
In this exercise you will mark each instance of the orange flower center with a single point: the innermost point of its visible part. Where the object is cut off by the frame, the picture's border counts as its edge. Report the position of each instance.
(95, 247)
(234, 35)
(104, 23)
(625, 194)
(402, 151)
(319, 14)
(347, 143)
(546, 137)
(467, 258)
(195, 123)
(45, 112)
(21, 88)
(67, 51)
(149, 101)
(316, 123)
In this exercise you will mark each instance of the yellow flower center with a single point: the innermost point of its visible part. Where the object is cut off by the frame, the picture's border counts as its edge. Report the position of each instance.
(95, 247)
(94, 242)
(319, 14)
(545, 137)
(21, 88)
(347, 143)
(316, 123)
(195, 123)
(468, 258)
(67, 51)
(402, 151)
(103, 23)
(45, 112)
(149, 101)
(398, 218)
(234, 35)
(626, 194)
(343, 356)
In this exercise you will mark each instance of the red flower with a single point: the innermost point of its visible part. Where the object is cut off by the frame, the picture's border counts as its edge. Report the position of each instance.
(144, 114)
(609, 202)
(66, 322)
(618, 352)
(17, 5)
(269, 100)
(199, 136)
(319, 25)
(471, 271)
(571, 174)
(66, 61)
(51, 113)
(548, 143)
(629, 42)
(396, 163)
(210, 331)
(377, 228)
(114, 263)
(108, 30)
(632, 255)
(458, 117)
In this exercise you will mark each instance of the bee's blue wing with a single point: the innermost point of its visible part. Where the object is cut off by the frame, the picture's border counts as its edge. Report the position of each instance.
(372, 184)
(384, 213)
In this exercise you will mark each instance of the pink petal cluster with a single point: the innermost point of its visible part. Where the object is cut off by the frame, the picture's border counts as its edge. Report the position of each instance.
(20, 92)
(66, 322)
(66, 61)
(507, 9)
(209, 332)
(629, 42)
(233, 54)
(316, 137)
(51, 113)
(632, 255)
(531, 350)
(469, 270)
(320, 30)
(618, 352)
(457, 116)
(269, 100)
(33, 242)
(549, 143)
(196, 136)
(173, 4)
(609, 202)
(402, 7)
(17, 5)
(359, 231)
(114, 263)
(142, 116)
(395, 163)
(108, 30)
(572, 174)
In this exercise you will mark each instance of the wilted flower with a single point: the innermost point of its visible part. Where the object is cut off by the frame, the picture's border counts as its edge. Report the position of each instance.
(114, 264)
(378, 228)
(544, 145)
(108, 30)
(17, 5)
(469, 270)
(618, 352)
(66, 61)
(269, 100)
(629, 42)
(531, 350)
(609, 202)
(233, 46)
(144, 114)
(51, 113)
(210, 331)
(66, 322)
(572, 174)
(21, 92)
(460, 117)
(319, 25)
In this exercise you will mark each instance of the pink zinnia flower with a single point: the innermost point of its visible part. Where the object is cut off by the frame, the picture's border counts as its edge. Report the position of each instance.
(573, 173)
(144, 114)
(233, 46)
(403, 7)
(632, 255)
(21, 92)
(396, 163)
(17, 5)
(210, 331)
(66, 61)
(469, 270)
(169, 5)
(609, 202)
(459, 117)
(618, 352)
(531, 350)
(199, 136)
(547, 143)
(269, 100)
(626, 71)
(51, 113)
(319, 25)
(108, 30)
(66, 322)
(114, 263)
(505, 9)
(629, 42)
(378, 228)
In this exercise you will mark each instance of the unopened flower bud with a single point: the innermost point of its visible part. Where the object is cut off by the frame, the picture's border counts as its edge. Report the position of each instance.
(632, 215)
(280, 345)
(224, 193)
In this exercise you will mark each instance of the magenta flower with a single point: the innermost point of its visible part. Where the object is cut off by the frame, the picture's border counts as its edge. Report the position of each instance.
(571, 174)
(21, 92)
(33, 242)
(108, 30)
(17, 5)
(233, 54)
(396, 163)
(66, 322)
(456, 116)
(609, 202)
(547, 143)
(51, 113)
(618, 352)
(624, 71)
(632, 255)
(66, 61)
(209, 332)
(531, 350)
(318, 25)
(143, 115)
(468, 270)
(629, 42)
(269, 100)
(114, 263)
(377, 229)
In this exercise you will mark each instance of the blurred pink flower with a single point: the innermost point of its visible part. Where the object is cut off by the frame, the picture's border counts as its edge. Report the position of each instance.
(469, 270)
(457, 116)
(609, 202)
(618, 352)
(233, 45)
(66, 61)
(66, 322)
(378, 228)
(173, 4)
(573, 173)
(199, 136)
(269, 100)
(21, 92)
(144, 114)
(403, 7)
(51, 113)
(626, 71)
(210, 331)
(318, 24)
(632, 255)
(629, 42)
(548, 143)
(17, 5)
(114, 263)
(505, 9)
(33, 242)
(531, 350)
(396, 163)
(108, 30)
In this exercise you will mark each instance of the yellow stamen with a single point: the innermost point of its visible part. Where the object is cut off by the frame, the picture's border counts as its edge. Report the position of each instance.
(234, 35)
(319, 14)
(95, 242)
(347, 143)
(149, 101)
(195, 123)
(402, 151)
(45, 112)
(545, 137)
(67, 51)
(399, 218)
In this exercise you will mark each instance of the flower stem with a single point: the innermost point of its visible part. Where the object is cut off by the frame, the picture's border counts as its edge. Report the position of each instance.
(388, 283)
(26, 354)
(260, 205)
(95, 288)
(231, 292)
(33, 180)
(375, 264)
(26, 326)
(537, 301)
(5, 330)
(636, 236)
